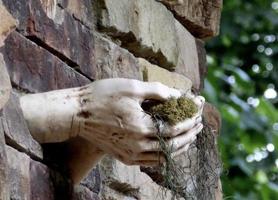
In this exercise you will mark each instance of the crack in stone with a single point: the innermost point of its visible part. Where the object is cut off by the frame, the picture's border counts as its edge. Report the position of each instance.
(58, 54)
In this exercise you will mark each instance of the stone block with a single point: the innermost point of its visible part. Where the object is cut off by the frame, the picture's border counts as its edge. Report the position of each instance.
(128, 181)
(188, 60)
(41, 185)
(8, 23)
(200, 17)
(81, 10)
(50, 26)
(202, 61)
(148, 30)
(18, 174)
(34, 69)
(4, 190)
(27, 179)
(113, 61)
(16, 130)
(153, 73)
(5, 84)
(212, 117)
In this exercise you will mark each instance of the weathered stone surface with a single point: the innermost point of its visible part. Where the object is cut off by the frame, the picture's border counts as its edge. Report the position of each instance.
(5, 84)
(200, 17)
(141, 21)
(202, 61)
(8, 23)
(18, 174)
(4, 190)
(110, 194)
(27, 179)
(153, 73)
(188, 61)
(83, 193)
(40, 182)
(128, 181)
(212, 117)
(113, 61)
(16, 130)
(93, 180)
(34, 69)
(47, 24)
(149, 30)
(82, 10)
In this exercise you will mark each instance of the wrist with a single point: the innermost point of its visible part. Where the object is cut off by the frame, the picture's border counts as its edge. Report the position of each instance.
(52, 116)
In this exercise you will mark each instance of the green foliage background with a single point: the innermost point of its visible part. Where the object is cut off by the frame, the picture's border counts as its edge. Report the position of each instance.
(243, 64)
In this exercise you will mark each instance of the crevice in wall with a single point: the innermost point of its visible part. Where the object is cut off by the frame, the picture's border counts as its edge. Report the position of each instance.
(19, 89)
(16, 146)
(53, 51)
(129, 42)
(124, 188)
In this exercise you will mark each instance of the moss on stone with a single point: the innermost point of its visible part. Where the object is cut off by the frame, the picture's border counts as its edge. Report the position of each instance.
(174, 110)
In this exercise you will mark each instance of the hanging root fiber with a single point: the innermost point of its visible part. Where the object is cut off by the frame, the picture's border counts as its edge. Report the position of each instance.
(197, 178)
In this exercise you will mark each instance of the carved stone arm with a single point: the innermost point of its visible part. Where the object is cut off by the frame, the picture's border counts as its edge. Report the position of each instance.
(108, 114)
(52, 116)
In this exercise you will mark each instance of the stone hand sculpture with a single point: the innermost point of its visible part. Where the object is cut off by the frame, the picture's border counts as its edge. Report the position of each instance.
(108, 115)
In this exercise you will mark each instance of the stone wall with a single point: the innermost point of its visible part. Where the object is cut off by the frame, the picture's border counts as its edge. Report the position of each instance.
(55, 44)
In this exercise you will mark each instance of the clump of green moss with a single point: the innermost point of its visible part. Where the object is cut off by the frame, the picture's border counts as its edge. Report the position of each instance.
(174, 110)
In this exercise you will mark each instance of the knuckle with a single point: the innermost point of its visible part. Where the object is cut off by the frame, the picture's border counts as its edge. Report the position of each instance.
(144, 130)
(134, 156)
(140, 146)
(174, 130)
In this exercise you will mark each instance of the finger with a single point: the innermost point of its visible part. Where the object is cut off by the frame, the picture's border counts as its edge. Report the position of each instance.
(141, 125)
(183, 149)
(184, 139)
(150, 156)
(168, 131)
(154, 90)
(175, 143)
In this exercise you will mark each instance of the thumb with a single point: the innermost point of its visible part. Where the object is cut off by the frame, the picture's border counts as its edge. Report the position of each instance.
(156, 91)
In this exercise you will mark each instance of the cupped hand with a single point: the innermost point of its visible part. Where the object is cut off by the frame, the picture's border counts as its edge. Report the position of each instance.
(111, 117)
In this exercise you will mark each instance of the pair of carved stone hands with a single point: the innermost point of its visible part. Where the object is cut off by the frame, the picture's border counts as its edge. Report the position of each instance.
(108, 113)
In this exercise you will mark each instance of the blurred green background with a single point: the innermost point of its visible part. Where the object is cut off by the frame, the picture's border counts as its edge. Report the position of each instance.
(242, 83)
